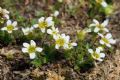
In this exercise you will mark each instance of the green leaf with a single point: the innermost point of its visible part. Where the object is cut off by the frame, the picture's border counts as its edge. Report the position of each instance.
(37, 62)
(5, 37)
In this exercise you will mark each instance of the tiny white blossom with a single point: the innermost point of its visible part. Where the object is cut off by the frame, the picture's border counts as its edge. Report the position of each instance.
(97, 55)
(10, 26)
(56, 13)
(31, 49)
(4, 13)
(44, 23)
(98, 26)
(61, 41)
(102, 2)
(107, 40)
(53, 31)
(27, 30)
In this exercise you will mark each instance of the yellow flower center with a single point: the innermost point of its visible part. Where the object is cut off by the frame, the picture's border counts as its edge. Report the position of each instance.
(60, 41)
(105, 40)
(54, 32)
(95, 55)
(43, 24)
(99, 1)
(10, 27)
(100, 27)
(31, 49)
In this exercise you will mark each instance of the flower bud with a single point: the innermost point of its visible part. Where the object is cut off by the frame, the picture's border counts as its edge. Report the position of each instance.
(81, 34)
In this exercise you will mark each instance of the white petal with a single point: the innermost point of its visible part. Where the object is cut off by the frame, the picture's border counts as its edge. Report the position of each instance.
(5, 11)
(104, 4)
(50, 23)
(26, 33)
(108, 36)
(105, 29)
(56, 37)
(65, 46)
(92, 25)
(39, 49)
(101, 49)
(100, 59)
(105, 23)
(74, 44)
(53, 27)
(35, 25)
(32, 43)
(95, 21)
(49, 31)
(67, 38)
(15, 28)
(49, 19)
(102, 42)
(56, 13)
(9, 31)
(102, 55)
(63, 35)
(100, 35)
(14, 23)
(32, 55)
(4, 28)
(90, 50)
(43, 30)
(9, 22)
(41, 19)
(31, 28)
(112, 41)
(97, 50)
(88, 30)
(96, 29)
(24, 29)
(6, 16)
(57, 46)
(108, 45)
(57, 30)
(26, 45)
(24, 50)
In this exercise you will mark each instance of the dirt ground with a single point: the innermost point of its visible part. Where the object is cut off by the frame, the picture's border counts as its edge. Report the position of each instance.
(107, 70)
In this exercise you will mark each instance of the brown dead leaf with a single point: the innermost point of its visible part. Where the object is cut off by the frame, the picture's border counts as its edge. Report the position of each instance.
(51, 75)
(37, 73)
(9, 53)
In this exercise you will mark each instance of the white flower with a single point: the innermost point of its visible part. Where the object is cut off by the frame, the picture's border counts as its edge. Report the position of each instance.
(97, 55)
(107, 40)
(10, 26)
(31, 49)
(53, 31)
(4, 13)
(56, 13)
(98, 26)
(44, 23)
(61, 41)
(102, 2)
(27, 30)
